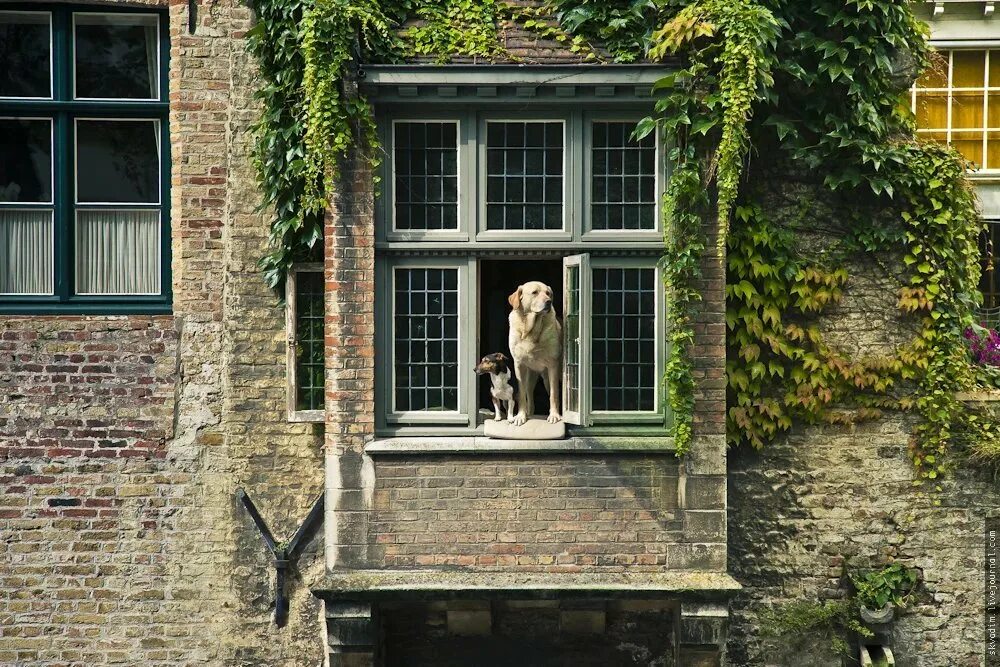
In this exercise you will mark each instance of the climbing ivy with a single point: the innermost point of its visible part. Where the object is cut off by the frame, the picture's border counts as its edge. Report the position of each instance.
(767, 88)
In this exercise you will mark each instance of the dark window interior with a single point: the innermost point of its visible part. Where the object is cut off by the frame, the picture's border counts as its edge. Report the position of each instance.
(497, 280)
(989, 282)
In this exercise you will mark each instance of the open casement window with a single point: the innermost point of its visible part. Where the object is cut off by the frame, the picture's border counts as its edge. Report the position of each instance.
(304, 320)
(479, 198)
(613, 341)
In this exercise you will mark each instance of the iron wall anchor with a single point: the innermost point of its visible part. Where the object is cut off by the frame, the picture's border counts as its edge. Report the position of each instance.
(283, 554)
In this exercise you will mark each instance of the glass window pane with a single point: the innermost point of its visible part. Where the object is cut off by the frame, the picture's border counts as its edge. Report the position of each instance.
(571, 326)
(117, 56)
(967, 69)
(25, 54)
(524, 183)
(969, 144)
(118, 161)
(622, 185)
(426, 351)
(25, 251)
(992, 151)
(425, 161)
(932, 110)
(25, 160)
(624, 346)
(309, 366)
(967, 110)
(936, 74)
(117, 252)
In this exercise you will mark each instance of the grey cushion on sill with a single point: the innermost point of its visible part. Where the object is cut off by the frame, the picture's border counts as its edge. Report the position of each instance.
(533, 429)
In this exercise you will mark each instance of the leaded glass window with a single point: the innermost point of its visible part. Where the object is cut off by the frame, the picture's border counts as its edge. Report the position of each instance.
(309, 341)
(524, 175)
(426, 339)
(623, 357)
(623, 180)
(425, 163)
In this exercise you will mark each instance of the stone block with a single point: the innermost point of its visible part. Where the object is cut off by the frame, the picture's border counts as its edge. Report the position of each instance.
(470, 622)
(582, 621)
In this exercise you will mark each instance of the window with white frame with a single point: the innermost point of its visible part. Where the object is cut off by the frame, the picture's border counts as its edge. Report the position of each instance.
(305, 364)
(476, 203)
(84, 170)
(957, 101)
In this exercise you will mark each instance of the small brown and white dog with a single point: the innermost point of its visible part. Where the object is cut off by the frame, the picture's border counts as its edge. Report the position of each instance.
(535, 340)
(502, 383)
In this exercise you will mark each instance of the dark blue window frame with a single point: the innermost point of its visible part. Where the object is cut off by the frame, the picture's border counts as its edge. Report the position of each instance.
(62, 109)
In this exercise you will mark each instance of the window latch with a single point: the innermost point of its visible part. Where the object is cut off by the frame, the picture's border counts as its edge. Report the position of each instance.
(284, 553)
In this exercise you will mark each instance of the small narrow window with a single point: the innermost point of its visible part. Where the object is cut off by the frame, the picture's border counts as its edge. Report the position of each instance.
(26, 54)
(524, 175)
(305, 322)
(425, 166)
(623, 180)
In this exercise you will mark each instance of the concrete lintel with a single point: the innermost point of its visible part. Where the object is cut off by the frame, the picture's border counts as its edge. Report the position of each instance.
(514, 75)
(451, 584)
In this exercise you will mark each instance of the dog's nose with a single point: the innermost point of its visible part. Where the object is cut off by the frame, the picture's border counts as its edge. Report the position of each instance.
(547, 306)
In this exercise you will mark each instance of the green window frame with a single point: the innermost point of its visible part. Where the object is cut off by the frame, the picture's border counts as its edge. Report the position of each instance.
(305, 339)
(581, 249)
(106, 219)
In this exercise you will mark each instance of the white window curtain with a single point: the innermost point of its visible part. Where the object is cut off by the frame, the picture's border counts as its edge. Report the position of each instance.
(25, 252)
(117, 252)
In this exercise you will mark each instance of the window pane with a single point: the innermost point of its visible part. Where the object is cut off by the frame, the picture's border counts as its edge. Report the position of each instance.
(425, 162)
(989, 282)
(571, 325)
(426, 325)
(116, 56)
(970, 145)
(623, 181)
(936, 74)
(25, 62)
(967, 69)
(524, 184)
(25, 160)
(25, 252)
(117, 252)
(309, 369)
(624, 344)
(118, 161)
(967, 110)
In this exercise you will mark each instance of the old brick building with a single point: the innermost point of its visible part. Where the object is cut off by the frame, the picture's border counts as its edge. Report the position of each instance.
(148, 373)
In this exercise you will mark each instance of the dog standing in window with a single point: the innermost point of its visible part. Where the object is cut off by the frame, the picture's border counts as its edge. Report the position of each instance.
(536, 346)
(502, 384)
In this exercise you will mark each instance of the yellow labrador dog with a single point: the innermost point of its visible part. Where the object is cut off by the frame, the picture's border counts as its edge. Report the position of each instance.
(536, 346)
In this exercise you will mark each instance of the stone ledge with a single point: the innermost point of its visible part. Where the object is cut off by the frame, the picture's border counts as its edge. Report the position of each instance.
(476, 444)
(455, 584)
(980, 396)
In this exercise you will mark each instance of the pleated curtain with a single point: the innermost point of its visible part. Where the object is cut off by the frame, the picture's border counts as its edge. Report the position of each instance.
(25, 252)
(117, 252)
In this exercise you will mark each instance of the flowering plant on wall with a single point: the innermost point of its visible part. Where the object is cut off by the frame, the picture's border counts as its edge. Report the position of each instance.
(984, 345)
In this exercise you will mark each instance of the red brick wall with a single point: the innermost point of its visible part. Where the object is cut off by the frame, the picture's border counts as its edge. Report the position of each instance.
(534, 513)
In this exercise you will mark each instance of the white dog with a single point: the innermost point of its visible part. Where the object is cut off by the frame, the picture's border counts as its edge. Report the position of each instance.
(536, 347)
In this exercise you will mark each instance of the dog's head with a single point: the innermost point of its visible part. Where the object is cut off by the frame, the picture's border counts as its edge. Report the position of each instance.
(532, 297)
(492, 363)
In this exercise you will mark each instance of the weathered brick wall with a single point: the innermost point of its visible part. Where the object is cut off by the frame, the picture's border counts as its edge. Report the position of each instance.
(123, 439)
(536, 513)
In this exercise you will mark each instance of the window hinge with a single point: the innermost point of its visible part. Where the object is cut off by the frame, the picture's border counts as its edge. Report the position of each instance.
(938, 8)
(989, 8)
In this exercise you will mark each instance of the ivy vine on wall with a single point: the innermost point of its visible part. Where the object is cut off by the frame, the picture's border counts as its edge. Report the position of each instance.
(812, 88)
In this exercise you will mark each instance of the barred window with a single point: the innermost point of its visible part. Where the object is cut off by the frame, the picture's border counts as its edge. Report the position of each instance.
(524, 175)
(425, 160)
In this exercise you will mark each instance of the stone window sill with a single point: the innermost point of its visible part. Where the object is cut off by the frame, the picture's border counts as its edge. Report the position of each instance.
(979, 396)
(477, 444)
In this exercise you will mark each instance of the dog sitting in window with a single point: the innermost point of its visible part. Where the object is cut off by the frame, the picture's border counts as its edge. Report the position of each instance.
(502, 383)
(535, 340)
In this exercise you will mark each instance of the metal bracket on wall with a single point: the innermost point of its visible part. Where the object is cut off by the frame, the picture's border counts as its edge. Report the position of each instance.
(283, 553)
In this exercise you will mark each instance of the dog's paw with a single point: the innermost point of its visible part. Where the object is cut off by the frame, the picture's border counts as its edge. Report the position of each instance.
(497, 418)
(520, 419)
(554, 417)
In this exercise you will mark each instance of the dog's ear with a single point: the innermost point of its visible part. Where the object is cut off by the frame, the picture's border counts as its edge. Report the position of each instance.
(515, 299)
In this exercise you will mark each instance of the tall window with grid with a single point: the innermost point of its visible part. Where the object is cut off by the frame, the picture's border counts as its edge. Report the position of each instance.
(84, 165)
(481, 203)
(957, 101)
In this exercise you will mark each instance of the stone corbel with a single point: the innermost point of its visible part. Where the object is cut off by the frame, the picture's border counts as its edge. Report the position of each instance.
(350, 633)
(701, 634)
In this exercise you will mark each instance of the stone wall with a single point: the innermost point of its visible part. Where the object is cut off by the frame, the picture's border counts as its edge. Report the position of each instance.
(827, 500)
(123, 439)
